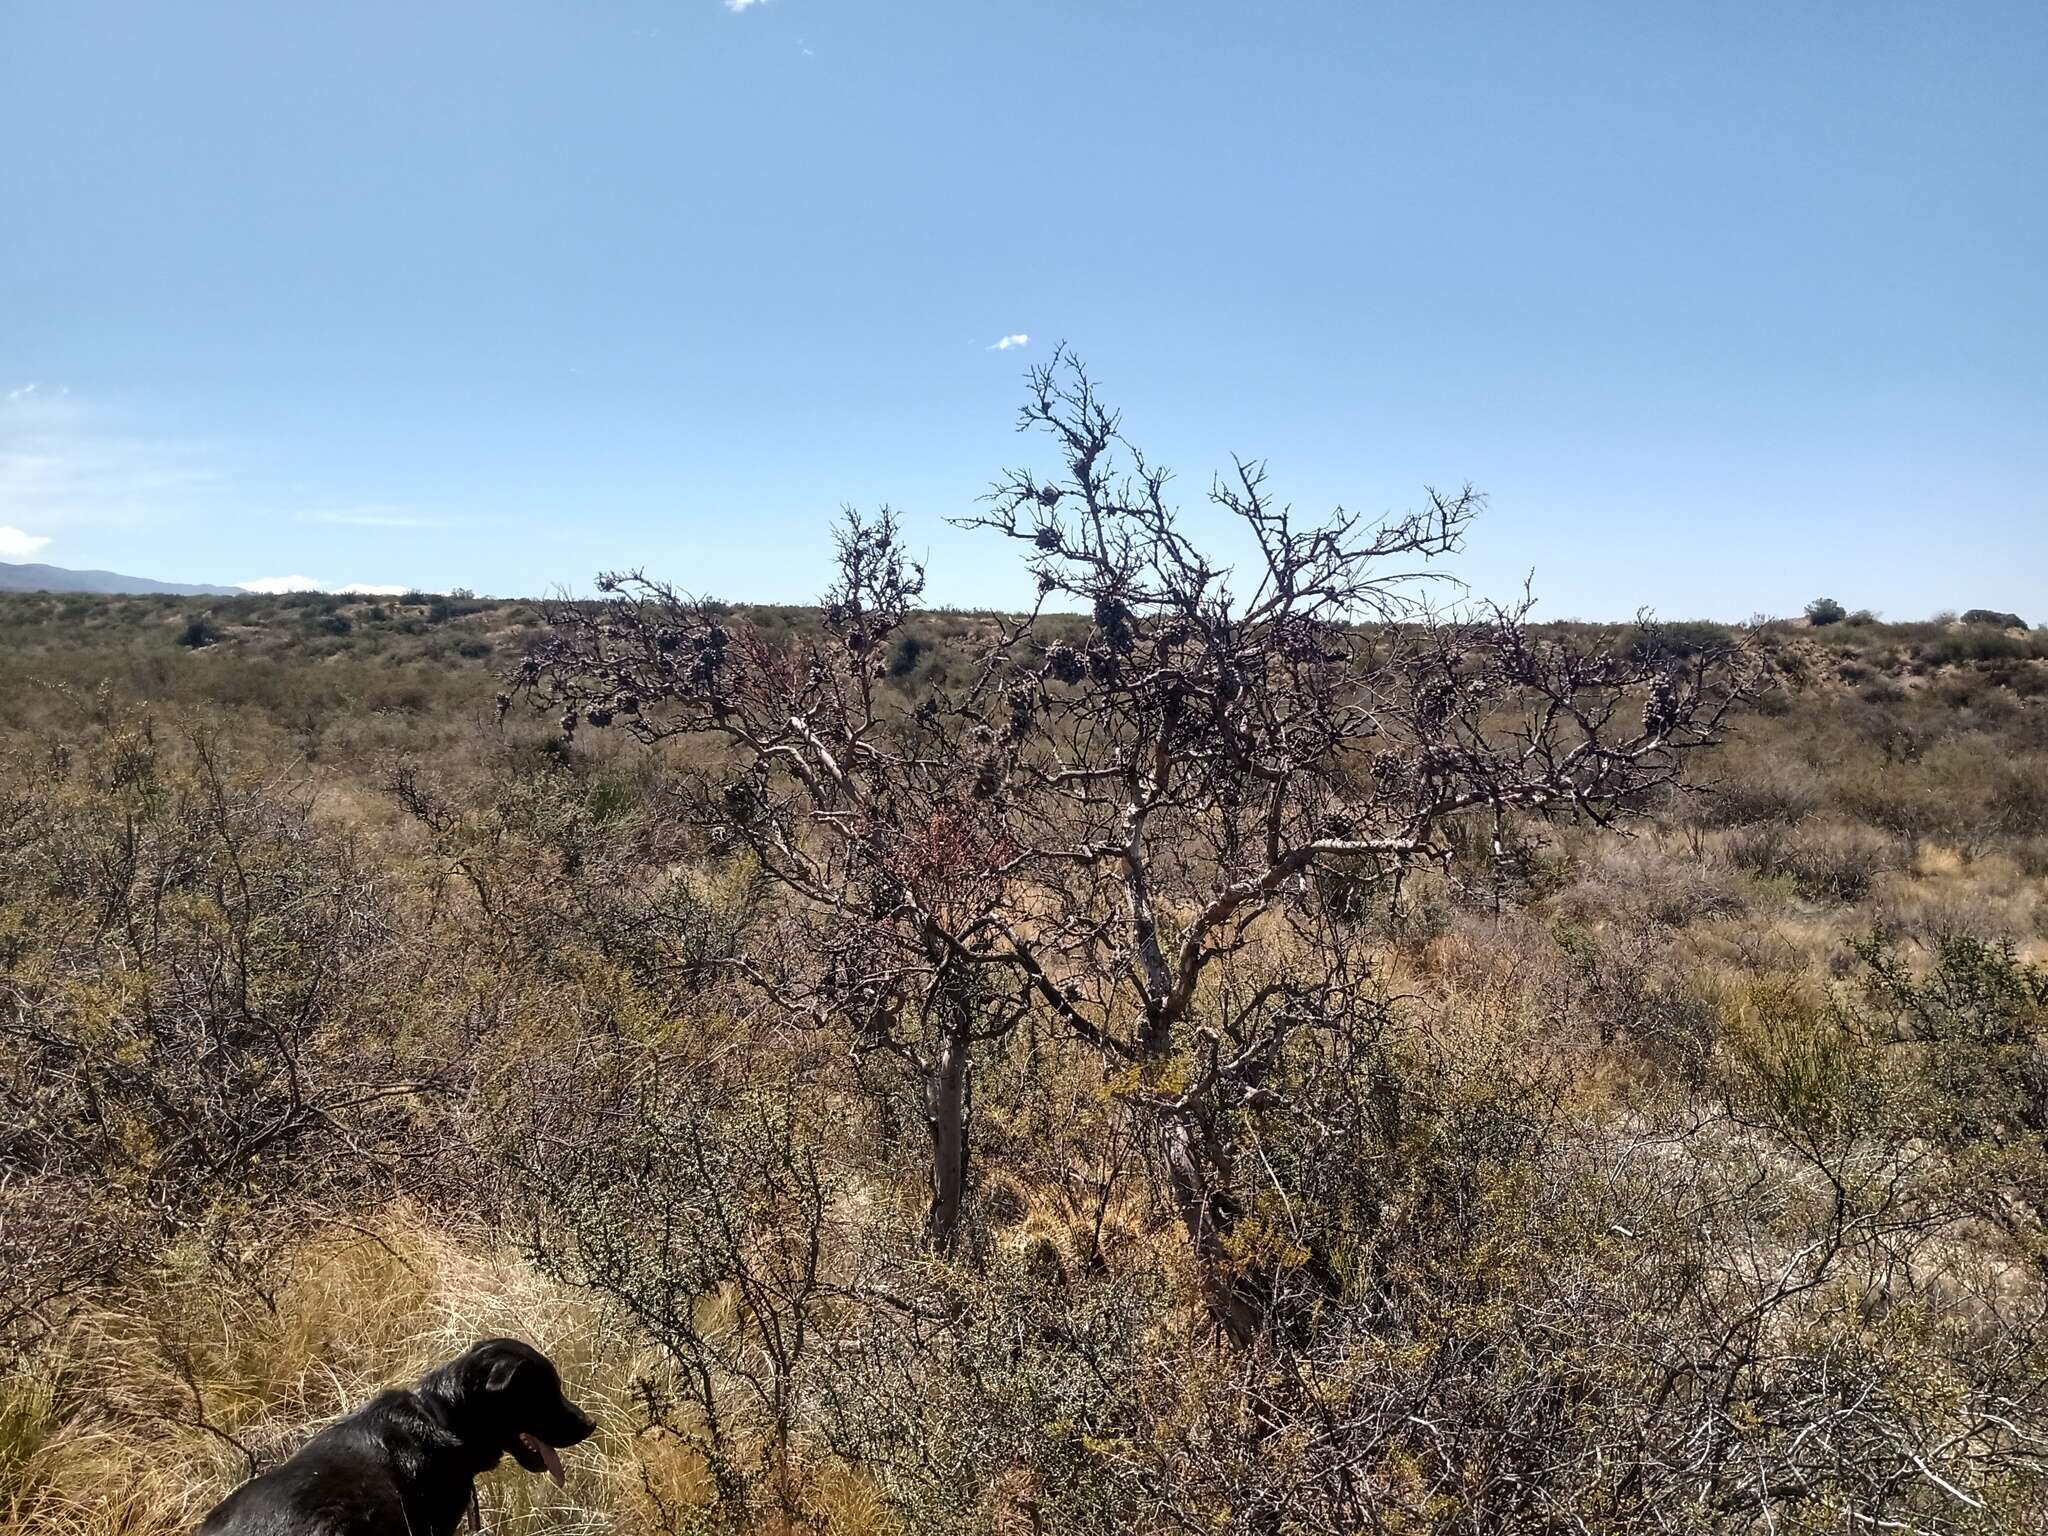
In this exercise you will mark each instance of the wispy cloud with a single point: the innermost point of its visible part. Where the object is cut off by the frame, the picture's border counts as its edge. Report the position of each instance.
(69, 462)
(736, 6)
(1007, 342)
(371, 589)
(64, 462)
(374, 517)
(16, 545)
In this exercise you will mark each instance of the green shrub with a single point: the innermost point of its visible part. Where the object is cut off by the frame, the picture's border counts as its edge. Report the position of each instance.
(1993, 617)
(1983, 643)
(1677, 641)
(1831, 865)
(910, 648)
(1755, 785)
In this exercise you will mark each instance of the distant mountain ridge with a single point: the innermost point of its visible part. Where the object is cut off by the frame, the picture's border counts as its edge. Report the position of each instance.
(54, 578)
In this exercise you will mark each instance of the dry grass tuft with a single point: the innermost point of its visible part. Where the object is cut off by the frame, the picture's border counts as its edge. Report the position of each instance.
(152, 1409)
(165, 1401)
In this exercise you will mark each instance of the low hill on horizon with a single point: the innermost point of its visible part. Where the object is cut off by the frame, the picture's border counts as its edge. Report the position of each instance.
(55, 578)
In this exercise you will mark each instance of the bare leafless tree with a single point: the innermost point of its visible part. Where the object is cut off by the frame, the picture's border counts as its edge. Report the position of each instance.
(1091, 830)
(858, 811)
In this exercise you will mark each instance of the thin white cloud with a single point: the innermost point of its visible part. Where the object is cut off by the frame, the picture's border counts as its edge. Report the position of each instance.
(65, 462)
(374, 517)
(370, 589)
(16, 545)
(736, 6)
(68, 462)
(1007, 342)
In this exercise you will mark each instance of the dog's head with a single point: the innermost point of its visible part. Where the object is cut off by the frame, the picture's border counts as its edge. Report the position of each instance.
(505, 1397)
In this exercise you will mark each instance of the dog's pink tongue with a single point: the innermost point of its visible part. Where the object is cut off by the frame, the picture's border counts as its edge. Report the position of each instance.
(548, 1456)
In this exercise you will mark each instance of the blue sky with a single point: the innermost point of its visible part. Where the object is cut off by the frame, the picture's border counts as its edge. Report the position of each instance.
(1724, 305)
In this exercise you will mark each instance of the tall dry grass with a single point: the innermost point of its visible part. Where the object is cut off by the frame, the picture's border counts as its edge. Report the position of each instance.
(148, 1410)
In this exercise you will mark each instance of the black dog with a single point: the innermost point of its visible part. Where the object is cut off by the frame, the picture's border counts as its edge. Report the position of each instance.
(406, 1463)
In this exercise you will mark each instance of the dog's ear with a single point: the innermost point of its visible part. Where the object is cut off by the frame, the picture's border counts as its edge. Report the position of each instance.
(503, 1371)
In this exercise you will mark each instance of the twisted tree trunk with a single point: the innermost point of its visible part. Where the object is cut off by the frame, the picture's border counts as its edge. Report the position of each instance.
(949, 1094)
(1208, 1212)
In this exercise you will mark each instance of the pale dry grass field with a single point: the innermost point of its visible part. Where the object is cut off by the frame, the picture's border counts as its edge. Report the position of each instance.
(525, 938)
(200, 1377)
